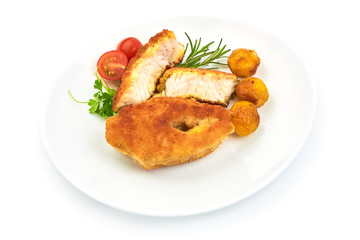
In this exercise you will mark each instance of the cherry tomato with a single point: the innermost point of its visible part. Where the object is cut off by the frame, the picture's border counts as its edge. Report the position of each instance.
(111, 65)
(129, 46)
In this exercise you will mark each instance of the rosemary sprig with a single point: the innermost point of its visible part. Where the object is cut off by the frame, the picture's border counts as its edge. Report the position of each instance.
(202, 57)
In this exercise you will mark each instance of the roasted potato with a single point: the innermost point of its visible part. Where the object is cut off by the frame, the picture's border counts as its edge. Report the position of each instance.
(254, 90)
(243, 62)
(245, 117)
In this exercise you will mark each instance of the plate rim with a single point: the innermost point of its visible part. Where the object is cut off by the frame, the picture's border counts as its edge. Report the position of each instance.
(285, 164)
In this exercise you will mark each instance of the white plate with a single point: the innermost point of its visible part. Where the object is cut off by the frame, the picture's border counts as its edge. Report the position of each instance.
(240, 167)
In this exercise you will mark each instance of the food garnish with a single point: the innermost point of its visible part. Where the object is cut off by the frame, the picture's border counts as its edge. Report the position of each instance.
(129, 46)
(111, 65)
(203, 57)
(102, 102)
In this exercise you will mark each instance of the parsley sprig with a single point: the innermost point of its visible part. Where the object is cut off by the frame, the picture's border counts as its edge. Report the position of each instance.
(201, 57)
(102, 101)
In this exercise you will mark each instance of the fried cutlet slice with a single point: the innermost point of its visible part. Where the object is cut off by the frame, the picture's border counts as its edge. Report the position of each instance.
(165, 131)
(144, 70)
(205, 85)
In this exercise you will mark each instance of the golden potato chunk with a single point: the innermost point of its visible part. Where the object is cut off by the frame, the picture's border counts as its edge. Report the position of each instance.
(243, 62)
(245, 118)
(254, 90)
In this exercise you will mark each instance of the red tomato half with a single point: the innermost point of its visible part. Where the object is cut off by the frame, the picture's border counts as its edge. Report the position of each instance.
(111, 65)
(129, 46)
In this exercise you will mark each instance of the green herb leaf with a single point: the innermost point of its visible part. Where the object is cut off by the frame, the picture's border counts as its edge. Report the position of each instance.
(112, 92)
(196, 56)
(102, 101)
(98, 84)
(94, 105)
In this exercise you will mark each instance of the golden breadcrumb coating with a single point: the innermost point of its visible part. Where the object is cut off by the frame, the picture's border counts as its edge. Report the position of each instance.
(144, 70)
(166, 131)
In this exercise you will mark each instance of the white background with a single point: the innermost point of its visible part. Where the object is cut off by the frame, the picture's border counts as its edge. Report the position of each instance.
(317, 197)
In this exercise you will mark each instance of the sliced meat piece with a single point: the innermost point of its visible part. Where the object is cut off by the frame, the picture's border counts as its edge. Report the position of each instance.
(166, 131)
(144, 70)
(204, 85)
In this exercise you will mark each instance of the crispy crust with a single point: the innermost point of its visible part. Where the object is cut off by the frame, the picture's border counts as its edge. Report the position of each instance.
(153, 133)
(144, 51)
(201, 71)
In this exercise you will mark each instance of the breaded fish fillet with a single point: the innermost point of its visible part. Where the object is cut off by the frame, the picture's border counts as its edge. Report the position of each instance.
(144, 70)
(204, 85)
(166, 131)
